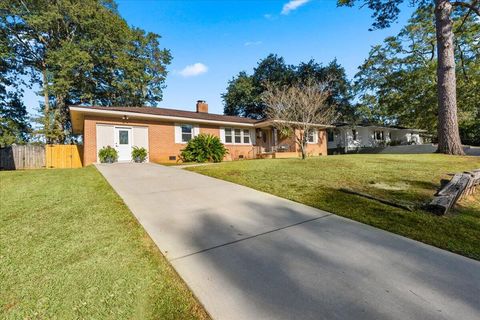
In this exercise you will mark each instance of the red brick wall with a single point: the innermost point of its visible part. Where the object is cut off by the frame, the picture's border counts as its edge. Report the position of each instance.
(161, 139)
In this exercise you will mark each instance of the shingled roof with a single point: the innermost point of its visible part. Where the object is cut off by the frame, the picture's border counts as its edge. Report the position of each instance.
(174, 113)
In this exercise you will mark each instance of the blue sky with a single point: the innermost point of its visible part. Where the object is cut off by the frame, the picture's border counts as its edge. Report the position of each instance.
(211, 41)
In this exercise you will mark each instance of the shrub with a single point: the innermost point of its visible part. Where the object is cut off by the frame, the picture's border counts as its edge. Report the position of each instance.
(139, 154)
(395, 143)
(203, 148)
(108, 155)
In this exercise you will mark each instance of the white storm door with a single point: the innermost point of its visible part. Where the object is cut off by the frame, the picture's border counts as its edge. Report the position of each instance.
(123, 143)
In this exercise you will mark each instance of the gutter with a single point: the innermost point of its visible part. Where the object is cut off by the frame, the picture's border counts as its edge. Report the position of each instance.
(154, 116)
(260, 124)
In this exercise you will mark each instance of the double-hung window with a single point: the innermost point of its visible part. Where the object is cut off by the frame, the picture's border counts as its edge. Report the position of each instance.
(312, 136)
(355, 134)
(379, 135)
(228, 135)
(237, 136)
(187, 132)
(246, 136)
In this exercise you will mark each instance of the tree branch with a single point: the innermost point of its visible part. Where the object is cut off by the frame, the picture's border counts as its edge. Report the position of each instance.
(472, 6)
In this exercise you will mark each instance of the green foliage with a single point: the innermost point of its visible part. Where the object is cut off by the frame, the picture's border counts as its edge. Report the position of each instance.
(80, 52)
(14, 125)
(203, 148)
(384, 11)
(139, 154)
(108, 155)
(243, 95)
(397, 83)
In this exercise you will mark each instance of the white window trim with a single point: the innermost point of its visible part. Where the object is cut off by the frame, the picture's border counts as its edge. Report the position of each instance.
(178, 132)
(382, 135)
(315, 137)
(251, 135)
(355, 133)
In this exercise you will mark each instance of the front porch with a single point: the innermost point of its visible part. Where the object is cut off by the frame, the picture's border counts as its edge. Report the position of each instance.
(270, 144)
(278, 155)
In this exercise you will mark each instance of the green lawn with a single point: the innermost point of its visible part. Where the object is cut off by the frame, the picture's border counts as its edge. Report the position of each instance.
(71, 249)
(401, 178)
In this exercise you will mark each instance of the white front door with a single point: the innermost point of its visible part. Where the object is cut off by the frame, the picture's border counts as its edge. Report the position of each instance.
(123, 143)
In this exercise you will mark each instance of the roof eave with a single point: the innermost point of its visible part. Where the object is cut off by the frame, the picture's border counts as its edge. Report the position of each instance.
(89, 111)
(267, 123)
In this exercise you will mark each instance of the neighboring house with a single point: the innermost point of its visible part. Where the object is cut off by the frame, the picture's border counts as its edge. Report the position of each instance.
(165, 132)
(347, 137)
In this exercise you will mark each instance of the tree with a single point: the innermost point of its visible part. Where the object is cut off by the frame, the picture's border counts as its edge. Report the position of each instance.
(298, 109)
(14, 125)
(243, 95)
(386, 11)
(397, 84)
(82, 51)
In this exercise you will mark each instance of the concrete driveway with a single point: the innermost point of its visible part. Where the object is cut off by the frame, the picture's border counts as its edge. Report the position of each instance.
(250, 255)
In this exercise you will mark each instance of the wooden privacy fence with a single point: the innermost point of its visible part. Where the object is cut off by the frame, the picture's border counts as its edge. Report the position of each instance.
(22, 157)
(36, 157)
(63, 156)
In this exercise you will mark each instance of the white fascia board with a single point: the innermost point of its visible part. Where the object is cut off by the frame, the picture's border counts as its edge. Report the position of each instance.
(272, 122)
(154, 116)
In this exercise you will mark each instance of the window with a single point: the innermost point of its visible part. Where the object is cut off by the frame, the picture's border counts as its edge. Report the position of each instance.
(246, 136)
(228, 135)
(123, 136)
(187, 132)
(378, 135)
(237, 136)
(312, 136)
(331, 136)
(184, 132)
(355, 135)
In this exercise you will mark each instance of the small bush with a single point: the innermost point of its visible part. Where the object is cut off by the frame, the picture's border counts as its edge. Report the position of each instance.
(203, 148)
(108, 155)
(395, 143)
(139, 154)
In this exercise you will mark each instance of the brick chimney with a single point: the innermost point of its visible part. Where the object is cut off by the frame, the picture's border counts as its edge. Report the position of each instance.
(202, 106)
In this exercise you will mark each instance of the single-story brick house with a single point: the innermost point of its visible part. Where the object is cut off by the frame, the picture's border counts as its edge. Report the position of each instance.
(165, 132)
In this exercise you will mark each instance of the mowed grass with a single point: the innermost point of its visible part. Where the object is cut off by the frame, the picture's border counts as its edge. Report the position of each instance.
(71, 249)
(411, 179)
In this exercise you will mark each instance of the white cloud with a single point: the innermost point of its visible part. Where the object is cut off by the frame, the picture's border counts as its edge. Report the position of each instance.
(267, 16)
(252, 43)
(193, 70)
(293, 5)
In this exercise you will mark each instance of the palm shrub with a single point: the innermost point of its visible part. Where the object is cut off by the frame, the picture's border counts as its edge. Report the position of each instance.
(139, 154)
(108, 155)
(203, 148)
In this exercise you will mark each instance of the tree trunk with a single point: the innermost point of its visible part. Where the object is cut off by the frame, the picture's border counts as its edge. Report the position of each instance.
(304, 148)
(46, 110)
(448, 135)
